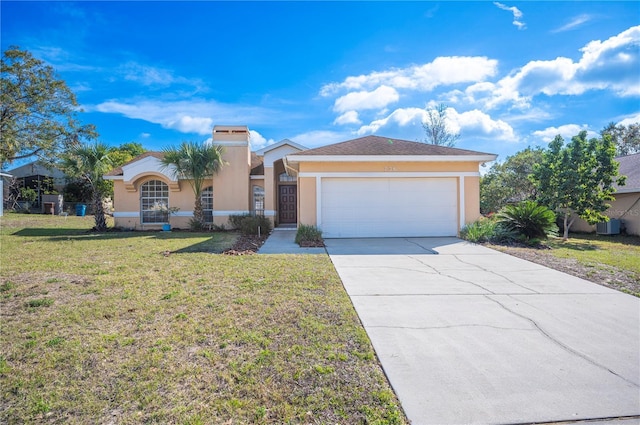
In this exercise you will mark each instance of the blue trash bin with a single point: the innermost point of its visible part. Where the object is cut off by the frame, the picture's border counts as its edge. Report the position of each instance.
(81, 210)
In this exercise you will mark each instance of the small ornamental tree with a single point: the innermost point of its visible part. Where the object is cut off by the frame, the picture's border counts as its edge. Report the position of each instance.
(194, 162)
(436, 129)
(577, 180)
(89, 162)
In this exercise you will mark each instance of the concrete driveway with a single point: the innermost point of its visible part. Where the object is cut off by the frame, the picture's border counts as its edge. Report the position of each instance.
(468, 335)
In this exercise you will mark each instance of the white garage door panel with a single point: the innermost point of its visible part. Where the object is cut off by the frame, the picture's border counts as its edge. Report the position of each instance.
(387, 207)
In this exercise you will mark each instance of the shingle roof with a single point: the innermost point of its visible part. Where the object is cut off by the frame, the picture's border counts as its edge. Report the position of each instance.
(118, 170)
(377, 145)
(630, 167)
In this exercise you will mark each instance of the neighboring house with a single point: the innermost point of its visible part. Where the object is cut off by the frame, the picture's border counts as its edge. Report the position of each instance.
(4, 176)
(626, 206)
(368, 187)
(40, 178)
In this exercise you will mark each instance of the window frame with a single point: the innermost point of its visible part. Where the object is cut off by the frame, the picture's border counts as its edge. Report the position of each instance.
(154, 202)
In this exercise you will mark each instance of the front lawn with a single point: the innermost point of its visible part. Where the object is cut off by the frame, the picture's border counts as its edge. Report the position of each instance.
(613, 261)
(153, 327)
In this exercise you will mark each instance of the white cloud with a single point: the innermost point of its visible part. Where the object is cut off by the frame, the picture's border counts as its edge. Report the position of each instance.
(349, 117)
(470, 123)
(630, 119)
(144, 135)
(444, 70)
(517, 15)
(153, 76)
(401, 117)
(567, 131)
(575, 22)
(258, 141)
(193, 116)
(379, 98)
(476, 122)
(313, 139)
(605, 65)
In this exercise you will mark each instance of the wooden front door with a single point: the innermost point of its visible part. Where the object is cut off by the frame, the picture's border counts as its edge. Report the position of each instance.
(287, 203)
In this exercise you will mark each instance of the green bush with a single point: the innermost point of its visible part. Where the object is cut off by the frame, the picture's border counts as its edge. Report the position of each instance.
(249, 224)
(487, 229)
(529, 219)
(479, 231)
(308, 233)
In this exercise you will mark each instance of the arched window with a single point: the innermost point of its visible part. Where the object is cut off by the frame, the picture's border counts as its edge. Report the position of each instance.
(207, 203)
(154, 202)
(258, 200)
(284, 177)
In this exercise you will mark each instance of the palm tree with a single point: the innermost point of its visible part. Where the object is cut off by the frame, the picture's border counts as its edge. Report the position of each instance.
(90, 161)
(194, 162)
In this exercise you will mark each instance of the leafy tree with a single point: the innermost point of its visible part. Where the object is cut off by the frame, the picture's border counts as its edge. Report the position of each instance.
(577, 179)
(626, 138)
(436, 129)
(90, 162)
(125, 152)
(509, 182)
(79, 190)
(194, 162)
(37, 110)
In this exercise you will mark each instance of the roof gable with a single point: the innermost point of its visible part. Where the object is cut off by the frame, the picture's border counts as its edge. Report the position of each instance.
(118, 171)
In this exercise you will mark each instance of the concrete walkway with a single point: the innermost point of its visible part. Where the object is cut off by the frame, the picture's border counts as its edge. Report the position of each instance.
(281, 241)
(468, 335)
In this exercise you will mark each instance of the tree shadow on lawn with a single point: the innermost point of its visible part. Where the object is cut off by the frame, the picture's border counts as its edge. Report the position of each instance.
(215, 242)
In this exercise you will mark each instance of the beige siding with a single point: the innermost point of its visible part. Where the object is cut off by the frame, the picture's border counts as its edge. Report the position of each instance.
(307, 200)
(626, 207)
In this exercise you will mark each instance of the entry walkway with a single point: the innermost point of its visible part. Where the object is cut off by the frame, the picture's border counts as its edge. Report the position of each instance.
(282, 241)
(469, 335)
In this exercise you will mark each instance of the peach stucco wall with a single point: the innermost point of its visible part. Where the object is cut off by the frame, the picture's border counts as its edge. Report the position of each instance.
(471, 199)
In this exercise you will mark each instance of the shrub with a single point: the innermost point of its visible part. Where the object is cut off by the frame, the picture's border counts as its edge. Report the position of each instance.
(308, 234)
(249, 224)
(479, 231)
(529, 219)
(487, 230)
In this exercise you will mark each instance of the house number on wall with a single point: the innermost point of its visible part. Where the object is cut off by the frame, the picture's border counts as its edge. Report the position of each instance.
(389, 168)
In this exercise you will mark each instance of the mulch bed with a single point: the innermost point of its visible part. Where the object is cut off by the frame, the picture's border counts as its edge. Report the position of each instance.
(246, 245)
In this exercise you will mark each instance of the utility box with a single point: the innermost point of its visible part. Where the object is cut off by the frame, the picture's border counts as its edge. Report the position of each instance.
(611, 227)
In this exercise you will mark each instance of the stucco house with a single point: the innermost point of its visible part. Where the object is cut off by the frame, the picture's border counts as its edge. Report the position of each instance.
(626, 206)
(367, 187)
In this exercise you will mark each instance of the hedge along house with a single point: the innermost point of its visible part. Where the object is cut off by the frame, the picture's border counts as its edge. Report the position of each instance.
(368, 187)
(147, 195)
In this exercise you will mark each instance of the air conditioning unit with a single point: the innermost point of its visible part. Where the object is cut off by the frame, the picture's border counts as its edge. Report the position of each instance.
(611, 227)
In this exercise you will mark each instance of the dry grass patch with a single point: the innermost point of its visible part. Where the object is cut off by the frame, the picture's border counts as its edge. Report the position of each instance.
(106, 328)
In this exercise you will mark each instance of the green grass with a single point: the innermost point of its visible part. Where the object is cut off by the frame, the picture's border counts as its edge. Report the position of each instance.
(158, 328)
(620, 252)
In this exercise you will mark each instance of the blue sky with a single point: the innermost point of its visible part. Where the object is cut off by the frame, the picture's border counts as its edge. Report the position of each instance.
(512, 74)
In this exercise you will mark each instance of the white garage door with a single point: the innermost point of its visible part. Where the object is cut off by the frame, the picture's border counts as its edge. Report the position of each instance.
(388, 207)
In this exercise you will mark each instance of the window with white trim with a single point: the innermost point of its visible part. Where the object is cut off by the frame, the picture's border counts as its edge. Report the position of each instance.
(258, 200)
(154, 202)
(206, 197)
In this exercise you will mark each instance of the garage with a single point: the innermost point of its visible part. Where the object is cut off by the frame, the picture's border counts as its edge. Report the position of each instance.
(388, 207)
